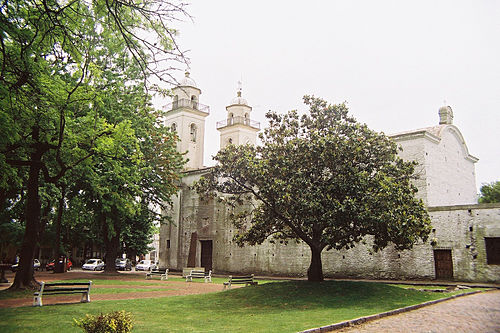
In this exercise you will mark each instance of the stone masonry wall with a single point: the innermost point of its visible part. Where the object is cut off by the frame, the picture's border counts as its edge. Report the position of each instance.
(452, 230)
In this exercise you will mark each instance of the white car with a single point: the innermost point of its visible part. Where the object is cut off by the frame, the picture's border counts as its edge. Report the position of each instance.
(94, 265)
(36, 265)
(145, 265)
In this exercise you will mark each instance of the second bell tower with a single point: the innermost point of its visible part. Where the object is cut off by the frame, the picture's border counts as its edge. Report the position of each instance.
(238, 128)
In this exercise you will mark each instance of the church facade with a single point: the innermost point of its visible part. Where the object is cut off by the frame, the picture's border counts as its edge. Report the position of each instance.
(464, 243)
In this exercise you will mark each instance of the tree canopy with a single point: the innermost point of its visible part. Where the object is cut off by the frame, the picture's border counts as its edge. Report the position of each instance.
(74, 82)
(490, 192)
(323, 179)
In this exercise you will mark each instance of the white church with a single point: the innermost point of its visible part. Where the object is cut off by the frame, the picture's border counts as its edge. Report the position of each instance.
(464, 244)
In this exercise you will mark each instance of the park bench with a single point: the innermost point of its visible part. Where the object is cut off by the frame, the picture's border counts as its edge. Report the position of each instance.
(162, 273)
(199, 275)
(63, 288)
(246, 280)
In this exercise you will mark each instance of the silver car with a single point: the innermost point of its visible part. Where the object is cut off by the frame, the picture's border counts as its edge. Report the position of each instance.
(94, 265)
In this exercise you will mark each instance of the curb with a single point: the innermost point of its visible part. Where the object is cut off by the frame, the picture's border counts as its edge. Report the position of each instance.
(361, 320)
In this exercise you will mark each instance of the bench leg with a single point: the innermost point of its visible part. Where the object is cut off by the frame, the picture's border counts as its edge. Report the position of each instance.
(85, 298)
(37, 300)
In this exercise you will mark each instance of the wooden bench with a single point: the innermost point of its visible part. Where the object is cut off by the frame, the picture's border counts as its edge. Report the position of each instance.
(199, 275)
(63, 288)
(161, 273)
(246, 280)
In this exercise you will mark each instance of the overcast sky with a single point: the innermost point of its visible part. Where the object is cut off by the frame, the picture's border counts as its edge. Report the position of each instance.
(393, 62)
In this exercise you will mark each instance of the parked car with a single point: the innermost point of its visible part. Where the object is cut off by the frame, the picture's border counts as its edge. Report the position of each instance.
(36, 265)
(145, 265)
(50, 265)
(123, 264)
(94, 265)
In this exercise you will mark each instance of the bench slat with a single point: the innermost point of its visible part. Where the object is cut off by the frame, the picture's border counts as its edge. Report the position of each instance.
(66, 292)
(49, 290)
(66, 284)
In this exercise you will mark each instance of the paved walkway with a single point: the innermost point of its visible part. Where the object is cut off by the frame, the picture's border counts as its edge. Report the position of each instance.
(476, 313)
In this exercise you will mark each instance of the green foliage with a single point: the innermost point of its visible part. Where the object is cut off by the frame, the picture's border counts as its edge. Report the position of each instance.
(323, 179)
(490, 192)
(114, 322)
(74, 97)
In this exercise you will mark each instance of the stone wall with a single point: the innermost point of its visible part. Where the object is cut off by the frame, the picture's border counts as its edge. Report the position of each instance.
(463, 229)
(460, 229)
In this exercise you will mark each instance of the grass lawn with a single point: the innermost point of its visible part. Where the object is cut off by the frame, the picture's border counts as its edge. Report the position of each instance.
(272, 307)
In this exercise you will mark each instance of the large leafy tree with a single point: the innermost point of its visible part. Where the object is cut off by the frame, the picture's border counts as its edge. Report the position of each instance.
(490, 192)
(323, 179)
(51, 74)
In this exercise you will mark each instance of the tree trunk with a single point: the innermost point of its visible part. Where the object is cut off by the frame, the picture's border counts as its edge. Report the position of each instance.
(315, 271)
(24, 275)
(112, 245)
(60, 209)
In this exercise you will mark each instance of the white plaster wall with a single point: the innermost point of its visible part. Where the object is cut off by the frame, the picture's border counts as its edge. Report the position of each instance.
(413, 149)
(239, 133)
(450, 174)
(183, 118)
(238, 110)
(187, 92)
(446, 172)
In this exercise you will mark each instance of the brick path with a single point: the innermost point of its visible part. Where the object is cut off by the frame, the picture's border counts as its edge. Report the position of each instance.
(476, 313)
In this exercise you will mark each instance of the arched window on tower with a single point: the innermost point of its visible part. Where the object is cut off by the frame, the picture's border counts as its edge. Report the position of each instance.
(175, 103)
(192, 130)
(247, 121)
(194, 102)
(230, 119)
(173, 127)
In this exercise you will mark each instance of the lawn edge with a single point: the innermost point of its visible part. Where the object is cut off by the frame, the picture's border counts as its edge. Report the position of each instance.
(361, 320)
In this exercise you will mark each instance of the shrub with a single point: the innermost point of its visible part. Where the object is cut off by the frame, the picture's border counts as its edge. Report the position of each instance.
(113, 322)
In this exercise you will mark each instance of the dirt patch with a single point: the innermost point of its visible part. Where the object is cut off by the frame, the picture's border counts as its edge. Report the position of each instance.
(172, 288)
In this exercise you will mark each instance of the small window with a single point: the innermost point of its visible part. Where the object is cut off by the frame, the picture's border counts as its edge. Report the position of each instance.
(492, 250)
(175, 104)
(194, 102)
(230, 141)
(168, 243)
(173, 127)
(192, 130)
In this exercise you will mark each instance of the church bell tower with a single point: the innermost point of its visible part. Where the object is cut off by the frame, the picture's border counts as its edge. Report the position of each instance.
(238, 128)
(186, 115)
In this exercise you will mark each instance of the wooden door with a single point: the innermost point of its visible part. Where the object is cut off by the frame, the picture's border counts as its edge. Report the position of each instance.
(443, 264)
(206, 254)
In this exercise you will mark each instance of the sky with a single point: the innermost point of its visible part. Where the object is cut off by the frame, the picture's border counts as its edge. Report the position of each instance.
(394, 63)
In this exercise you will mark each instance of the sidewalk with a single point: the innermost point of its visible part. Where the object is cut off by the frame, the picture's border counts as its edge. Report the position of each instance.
(475, 313)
